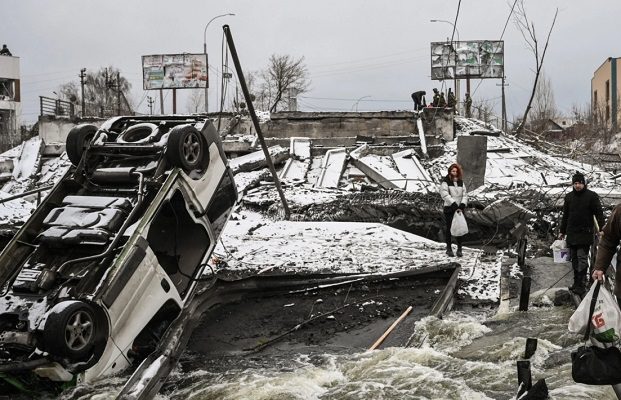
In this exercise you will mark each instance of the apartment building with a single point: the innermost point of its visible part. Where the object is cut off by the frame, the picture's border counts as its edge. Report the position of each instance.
(605, 100)
(10, 100)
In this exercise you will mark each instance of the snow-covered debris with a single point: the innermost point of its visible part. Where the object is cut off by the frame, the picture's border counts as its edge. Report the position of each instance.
(253, 243)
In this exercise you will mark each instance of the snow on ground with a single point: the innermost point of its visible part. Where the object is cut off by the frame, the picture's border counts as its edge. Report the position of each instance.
(252, 244)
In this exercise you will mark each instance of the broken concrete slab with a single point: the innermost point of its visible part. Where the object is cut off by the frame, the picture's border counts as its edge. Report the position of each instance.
(332, 165)
(300, 148)
(501, 212)
(418, 179)
(29, 160)
(374, 168)
(256, 160)
(294, 171)
(472, 156)
(421, 135)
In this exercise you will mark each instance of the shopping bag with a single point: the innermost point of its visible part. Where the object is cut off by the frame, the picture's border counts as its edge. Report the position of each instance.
(560, 251)
(606, 319)
(459, 227)
(596, 366)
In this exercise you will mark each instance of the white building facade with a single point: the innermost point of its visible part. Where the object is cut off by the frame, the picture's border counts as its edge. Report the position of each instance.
(10, 99)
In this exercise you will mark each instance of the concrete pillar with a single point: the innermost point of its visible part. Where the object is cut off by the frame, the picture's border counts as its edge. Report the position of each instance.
(472, 156)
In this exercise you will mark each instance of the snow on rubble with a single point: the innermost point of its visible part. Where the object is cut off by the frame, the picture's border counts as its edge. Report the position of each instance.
(252, 244)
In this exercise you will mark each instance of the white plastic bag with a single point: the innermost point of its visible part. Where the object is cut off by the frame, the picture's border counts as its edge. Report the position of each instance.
(606, 320)
(459, 227)
(560, 244)
(560, 251)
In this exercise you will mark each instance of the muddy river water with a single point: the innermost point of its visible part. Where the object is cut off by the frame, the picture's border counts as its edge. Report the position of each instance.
(465, 355)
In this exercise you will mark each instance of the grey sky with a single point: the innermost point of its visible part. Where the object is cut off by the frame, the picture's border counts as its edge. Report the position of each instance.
(353, 48)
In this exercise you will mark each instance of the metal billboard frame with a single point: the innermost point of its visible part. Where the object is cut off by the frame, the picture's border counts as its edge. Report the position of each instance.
(175, 71)
(482, 59)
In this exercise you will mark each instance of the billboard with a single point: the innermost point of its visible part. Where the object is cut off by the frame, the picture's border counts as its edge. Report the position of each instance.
(174, 71)
(467, 59)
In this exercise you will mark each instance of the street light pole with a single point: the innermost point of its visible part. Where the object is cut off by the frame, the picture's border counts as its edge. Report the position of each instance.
(457, 81)
(206, 61)
(358, 101)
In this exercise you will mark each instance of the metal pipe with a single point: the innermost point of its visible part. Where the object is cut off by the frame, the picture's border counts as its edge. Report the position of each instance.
(255, 120)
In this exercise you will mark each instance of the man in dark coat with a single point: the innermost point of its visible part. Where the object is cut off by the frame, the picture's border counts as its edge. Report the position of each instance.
(580, 207)
(419, 100)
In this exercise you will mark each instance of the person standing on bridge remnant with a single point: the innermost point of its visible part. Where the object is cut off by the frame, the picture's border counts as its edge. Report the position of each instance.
(468, 105)
(419, 100)
(5, 51)
(451, 100)
(455, 196)
(579, 208)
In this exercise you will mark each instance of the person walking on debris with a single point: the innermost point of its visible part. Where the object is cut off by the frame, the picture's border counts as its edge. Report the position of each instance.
(468, 105)
(419, 100)
(451, 101)
(441, 101)
(5, 51)
(580, 205)
(436, 97)
(455, 196)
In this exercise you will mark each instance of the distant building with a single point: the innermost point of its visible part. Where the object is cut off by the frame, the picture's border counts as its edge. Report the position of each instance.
(10, 101)
(557, 128)
(605, 93)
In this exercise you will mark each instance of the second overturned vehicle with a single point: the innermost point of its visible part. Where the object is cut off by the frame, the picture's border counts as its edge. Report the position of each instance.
(113, 254)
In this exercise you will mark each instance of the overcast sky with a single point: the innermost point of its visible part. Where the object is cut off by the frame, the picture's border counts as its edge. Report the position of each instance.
(377, 52)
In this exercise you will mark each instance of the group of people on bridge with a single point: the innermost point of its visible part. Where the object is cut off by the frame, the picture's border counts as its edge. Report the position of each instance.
(440, 101)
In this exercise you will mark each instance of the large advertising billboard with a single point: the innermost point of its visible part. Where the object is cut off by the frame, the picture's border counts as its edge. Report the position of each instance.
(174, 71)
(467, 59)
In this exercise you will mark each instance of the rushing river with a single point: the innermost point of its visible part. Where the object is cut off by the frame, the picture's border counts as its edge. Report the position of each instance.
(466, 355)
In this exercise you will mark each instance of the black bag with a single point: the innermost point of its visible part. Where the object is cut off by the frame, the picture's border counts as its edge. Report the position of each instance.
(596, 366)
(593, 365)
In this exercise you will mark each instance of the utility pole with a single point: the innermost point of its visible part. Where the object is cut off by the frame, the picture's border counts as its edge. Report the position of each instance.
(293, 100)
(504, 104)
(82, 76)
(150, 102)
(161, 102)
(118, 93)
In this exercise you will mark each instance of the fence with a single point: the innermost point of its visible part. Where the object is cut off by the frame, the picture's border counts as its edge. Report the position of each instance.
(57, 107)
(63, 108)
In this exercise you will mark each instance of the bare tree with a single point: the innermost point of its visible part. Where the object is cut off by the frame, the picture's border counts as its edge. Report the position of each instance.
(103, 91)
(527, 29)
(196, 101)
(282, 74)
(544, 105)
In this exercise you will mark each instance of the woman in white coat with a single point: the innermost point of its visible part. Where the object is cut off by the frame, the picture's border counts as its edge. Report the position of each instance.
(455, 196)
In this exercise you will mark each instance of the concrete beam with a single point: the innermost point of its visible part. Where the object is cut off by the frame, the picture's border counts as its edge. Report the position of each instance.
(332, 166)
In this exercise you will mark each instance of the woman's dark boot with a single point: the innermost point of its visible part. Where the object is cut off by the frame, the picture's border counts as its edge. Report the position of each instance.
(449, 250)
(459, 253)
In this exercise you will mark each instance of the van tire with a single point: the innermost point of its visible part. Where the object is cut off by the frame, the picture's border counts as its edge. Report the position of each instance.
(72, 330)
(186, 148)
(77, 141)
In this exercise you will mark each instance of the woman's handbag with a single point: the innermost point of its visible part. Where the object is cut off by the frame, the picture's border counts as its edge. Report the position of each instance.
(594, 365)
(459, 227)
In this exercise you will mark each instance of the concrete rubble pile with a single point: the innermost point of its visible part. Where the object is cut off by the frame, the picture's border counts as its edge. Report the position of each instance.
(398, 186)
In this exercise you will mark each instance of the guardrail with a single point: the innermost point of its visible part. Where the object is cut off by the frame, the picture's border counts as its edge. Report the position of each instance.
(57, 107)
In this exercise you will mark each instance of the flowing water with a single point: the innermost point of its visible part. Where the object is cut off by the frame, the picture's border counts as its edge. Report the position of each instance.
(465, 355)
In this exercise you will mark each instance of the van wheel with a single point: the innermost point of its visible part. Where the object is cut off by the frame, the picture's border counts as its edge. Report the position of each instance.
(186, 148)
(72, 330)
(77, 140)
